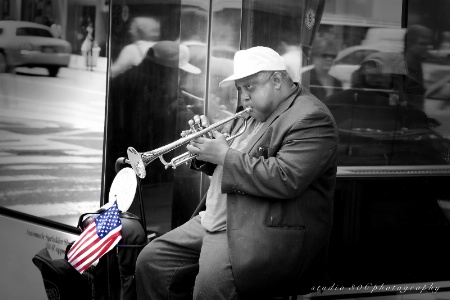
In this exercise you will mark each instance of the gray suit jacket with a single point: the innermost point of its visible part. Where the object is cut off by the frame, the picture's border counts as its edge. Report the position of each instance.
(280, 196)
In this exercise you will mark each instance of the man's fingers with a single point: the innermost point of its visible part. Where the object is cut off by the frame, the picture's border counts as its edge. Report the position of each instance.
(199, 140)
(185, 133)
(218, 135)
(204, 120)
(193, 149)
(195, 144)
(198, 122)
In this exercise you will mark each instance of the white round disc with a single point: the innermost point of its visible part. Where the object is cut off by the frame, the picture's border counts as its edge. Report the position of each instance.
(123, 188)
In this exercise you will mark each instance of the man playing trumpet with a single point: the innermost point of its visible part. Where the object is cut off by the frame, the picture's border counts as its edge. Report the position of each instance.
(263, 227)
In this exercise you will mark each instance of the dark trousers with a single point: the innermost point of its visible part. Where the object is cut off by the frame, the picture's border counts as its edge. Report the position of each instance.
(186, 263)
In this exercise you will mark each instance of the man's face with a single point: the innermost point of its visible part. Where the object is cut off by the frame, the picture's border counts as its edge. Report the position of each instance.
(419, 48)
(422, 45)
(258, 93)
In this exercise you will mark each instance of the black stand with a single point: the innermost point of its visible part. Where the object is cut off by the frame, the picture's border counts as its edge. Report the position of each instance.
(141, 204)
(119, 165)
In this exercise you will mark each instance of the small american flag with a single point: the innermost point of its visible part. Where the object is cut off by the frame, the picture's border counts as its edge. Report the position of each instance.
(96, 240)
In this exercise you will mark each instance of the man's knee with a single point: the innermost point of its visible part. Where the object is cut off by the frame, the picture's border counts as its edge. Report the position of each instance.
(215, 283)
(147, 257)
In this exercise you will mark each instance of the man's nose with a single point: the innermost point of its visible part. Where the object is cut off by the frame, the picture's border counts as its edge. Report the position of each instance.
(245, 96)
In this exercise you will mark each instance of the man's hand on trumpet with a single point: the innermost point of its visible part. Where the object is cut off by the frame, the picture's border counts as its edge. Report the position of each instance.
(196, 124)
(213, 149)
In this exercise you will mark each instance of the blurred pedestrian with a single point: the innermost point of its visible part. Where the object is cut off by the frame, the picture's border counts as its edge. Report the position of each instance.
(88, 45)
(322, 84)
(144, 32)
(145, 106)
(417, 42)
(56, 29)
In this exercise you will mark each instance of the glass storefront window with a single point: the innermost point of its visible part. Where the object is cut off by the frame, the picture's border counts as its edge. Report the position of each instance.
(52, 106)
(390, 117)
(346, 59)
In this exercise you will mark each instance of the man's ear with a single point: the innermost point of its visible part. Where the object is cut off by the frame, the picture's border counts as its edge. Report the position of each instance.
(277, 79)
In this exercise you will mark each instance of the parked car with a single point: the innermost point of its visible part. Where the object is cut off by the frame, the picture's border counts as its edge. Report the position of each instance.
(27, 44)
(392, 37)
(376, 40)
(348, 60)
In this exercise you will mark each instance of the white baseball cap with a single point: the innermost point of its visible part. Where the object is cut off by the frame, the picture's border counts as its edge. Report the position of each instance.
(254, 60)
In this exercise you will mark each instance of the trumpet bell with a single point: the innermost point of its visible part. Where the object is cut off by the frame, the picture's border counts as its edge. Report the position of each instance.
(136, 162)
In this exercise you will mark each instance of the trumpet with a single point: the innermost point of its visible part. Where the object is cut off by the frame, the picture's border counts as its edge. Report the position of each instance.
(140, 160)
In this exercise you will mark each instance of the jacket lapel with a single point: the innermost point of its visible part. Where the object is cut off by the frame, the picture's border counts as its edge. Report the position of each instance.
(278, 111)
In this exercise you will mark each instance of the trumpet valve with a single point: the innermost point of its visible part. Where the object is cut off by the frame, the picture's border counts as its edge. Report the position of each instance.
(191, 124)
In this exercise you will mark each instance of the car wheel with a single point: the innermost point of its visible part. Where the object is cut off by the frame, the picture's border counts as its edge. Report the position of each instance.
(53, 71)
(3, 63)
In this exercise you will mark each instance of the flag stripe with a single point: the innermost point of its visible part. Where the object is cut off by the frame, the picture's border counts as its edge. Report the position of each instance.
(90, 248)
(83, 265)
(107, 247)
(98, 238)
(88, 233)
(96, 255)
(88, 243)
(86, 239)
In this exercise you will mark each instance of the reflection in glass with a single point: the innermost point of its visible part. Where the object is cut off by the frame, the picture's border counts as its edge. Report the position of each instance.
(146, 112)
(378, 124)
(144, 32)
(151, 100)
(389, 117)
(393, 121)
(194, 20)
(290, 31)
(225, 41)
(322, 84)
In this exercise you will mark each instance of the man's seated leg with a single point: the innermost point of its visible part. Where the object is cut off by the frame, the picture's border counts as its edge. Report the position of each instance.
(166, 268)
(215, 278)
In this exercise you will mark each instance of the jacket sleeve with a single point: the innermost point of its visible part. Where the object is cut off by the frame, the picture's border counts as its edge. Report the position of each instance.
(305, 151)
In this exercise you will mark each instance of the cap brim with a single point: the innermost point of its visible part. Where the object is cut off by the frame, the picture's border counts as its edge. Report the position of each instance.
(190, 68)
(230, 80)
(227, 82)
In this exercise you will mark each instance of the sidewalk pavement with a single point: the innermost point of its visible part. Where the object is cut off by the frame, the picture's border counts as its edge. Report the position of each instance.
(79, 62)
